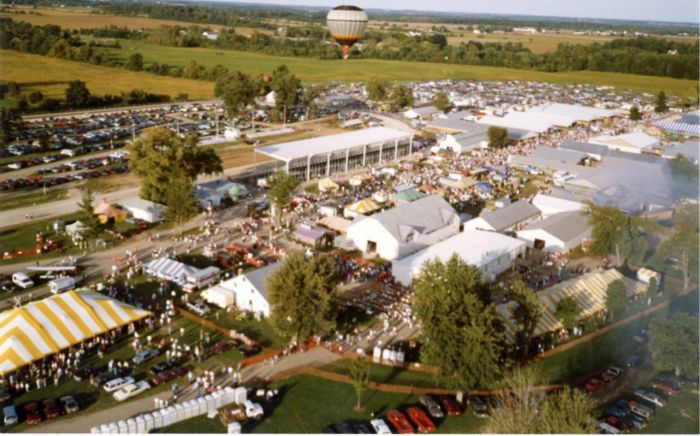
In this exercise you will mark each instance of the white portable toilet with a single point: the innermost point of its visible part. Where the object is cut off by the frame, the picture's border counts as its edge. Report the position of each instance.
(228, 395)
(217, 399)
(104, 429)
(179, 412)
(202, 406)
(377, 354)
(95, 430)
(385, 355)
(113, 428)
(131, 424)
(400, 357)
(169, 416)
(157, 419)
(123, 428)
(240, 395)
(150, 422)
(392, 356)
(234, 427)
(191, 408)
(211, 403)
(140, 424)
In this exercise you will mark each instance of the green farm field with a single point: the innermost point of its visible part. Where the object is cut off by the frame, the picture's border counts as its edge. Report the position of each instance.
(316, 70)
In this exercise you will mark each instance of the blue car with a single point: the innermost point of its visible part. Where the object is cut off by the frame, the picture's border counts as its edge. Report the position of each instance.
(616, 412)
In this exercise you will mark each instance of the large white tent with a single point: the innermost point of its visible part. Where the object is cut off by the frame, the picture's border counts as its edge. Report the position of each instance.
(45, 327)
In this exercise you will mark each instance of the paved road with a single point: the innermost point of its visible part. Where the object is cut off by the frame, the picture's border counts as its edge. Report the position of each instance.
(82, 424)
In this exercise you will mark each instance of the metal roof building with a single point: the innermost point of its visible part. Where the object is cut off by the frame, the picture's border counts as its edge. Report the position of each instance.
(340, 152)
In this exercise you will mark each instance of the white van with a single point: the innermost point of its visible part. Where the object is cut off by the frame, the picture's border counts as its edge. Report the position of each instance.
(57, 286)
(22, 280)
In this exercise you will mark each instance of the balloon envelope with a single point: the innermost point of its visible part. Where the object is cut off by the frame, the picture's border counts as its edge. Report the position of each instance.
(347, 24)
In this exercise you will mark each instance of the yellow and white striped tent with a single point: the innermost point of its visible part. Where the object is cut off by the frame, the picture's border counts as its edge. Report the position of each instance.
(588, 291)
(364, 206)
(45, 327)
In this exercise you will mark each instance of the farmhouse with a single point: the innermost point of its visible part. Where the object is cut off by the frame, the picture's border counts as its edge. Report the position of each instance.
(491, 252)
(405, 229)
(247, 291)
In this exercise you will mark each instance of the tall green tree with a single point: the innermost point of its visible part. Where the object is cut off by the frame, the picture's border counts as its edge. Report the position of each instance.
(498, 137)
(161, 153)
(10, 121)
(525, 409)
(135, 62)
(237, 89)
(526, 313)
(303, 297)
(661, 105)
(401, 97)
(378, 90)
(282, 186)
(359, 376)
(287, 88)
(92, 228)
(568, 312)
(449, 302)
(179, 199)
(616, 233)
(634, 113)
(683, 246)
(309, 99)
(77, 95)
(673, 343)
(616, 299)
(441, 101)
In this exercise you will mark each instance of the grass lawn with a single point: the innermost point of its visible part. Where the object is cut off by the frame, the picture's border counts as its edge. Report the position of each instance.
(24, 236)
(308, 404)
(51, 77)
(607, 348)
(316, 70)
(260, 331)
(679, 416)
(388, 374)
(22, 200)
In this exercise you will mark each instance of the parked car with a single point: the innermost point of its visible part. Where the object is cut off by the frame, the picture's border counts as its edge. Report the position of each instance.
(167, 376)
(51, 410)
(399, 421)
(633, 360)
(117, 383)
(594, 385)
(5, 396)
(380, 426)
(433, 407)
(423, 423)
(450, 405)
(131, 390)
(651, 397)
(31, 413)
(253, 410)
(343, 428)
(222, 346)
(612, 373)
(69, 404)
(646, 412)
(664, 388)
(9, 415)
(671, 380)
(199, 307)
(145, 355)
(479, 407)
(22, 280)
(617, 423)
(249, 350)
(606, 428)
(616, 411)
(362, 428)
(634, 421)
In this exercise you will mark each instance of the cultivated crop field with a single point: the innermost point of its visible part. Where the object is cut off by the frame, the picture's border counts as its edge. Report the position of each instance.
(51, 76)
(87, 18)
(316, 70)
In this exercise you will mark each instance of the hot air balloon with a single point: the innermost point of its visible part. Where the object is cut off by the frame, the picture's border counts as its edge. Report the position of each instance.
(347, 24)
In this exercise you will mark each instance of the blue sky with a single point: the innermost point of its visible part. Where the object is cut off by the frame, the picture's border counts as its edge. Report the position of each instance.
(656, 10)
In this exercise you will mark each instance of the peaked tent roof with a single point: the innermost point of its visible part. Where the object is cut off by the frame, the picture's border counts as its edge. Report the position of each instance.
(510, 215)
(47, 326)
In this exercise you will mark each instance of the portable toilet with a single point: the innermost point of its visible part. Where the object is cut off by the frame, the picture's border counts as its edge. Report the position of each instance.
(179, 412)
(201, 406)
(95, 430)
(169, 416)
(234, 427)
(400, 357)
(392, 356)
(217, 399)
(123, 428)
(228, 394)
(385, 355)
(140, 424)
(377, 354)
(113, 428)
(190, 408)
(150, 423)
(157, 419)
(131, 425)
(104, 429)
(240, 395)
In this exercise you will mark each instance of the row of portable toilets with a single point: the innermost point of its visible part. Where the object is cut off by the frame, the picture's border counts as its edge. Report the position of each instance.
(166, 416)
(388, 356)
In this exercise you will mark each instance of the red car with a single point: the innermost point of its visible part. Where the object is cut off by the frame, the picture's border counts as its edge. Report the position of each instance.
(450, 405)
(31, 413)
(51, 410)
(617, 423)
(222, 346)
(399, 421)
(663, 388)
(168, 375)
(594, 385)
(420, 419)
